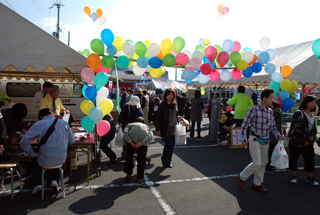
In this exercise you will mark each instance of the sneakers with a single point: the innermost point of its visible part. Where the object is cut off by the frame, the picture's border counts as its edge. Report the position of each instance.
(54, 186)
(294, 179)
(312, 181)
(270, 169)
(113, 161)
(36, 189)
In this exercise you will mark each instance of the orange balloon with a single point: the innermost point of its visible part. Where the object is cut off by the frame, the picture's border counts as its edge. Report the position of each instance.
(87, 10)
(99, 13)
(286, 70)
(255, 58)
(160, 55)
(93, 62)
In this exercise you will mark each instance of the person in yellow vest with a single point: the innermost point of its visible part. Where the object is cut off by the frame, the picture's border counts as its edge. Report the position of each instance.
(242, 104)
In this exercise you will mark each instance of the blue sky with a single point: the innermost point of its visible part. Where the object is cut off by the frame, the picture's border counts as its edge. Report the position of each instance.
(284, 22)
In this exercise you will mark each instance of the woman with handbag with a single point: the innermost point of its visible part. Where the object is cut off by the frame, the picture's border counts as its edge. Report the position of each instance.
(302, 137)
(167, 119)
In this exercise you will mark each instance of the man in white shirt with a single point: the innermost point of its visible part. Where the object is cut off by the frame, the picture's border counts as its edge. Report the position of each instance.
(41, 94)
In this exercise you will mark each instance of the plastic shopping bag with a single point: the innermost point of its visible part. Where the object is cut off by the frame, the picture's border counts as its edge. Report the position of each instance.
(279, 158)
(180, 135)
(119, 138)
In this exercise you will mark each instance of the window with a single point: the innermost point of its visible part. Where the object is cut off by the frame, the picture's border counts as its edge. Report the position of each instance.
(22, 89)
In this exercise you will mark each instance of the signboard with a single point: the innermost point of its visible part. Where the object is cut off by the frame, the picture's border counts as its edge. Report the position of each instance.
(110, 84)
(234, 140)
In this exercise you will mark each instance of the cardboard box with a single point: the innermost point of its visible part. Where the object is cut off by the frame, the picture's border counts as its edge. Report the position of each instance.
(234, 141)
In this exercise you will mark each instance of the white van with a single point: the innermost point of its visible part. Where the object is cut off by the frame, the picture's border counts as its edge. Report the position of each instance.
(22, 91)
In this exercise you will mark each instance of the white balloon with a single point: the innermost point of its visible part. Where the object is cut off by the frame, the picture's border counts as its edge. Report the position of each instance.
(197, 54)
(102, 20)
(282, 60)
(225, 75)
(264, 43)
(247, 56)
(153, 50)
(188, 53)
(203, 79)
(102, 94)
(118, 53)
(129, 49)
(137, 70)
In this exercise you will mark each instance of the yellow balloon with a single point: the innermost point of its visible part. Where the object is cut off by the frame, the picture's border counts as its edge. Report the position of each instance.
(222, 5)
(166, 46)
(156, 73)
(86, 106)
(106, 105)
(285, 84)
(202, 92)
(242, 65)
(147, 42)
(131, 63)
(206, 42)
(135, 56)
(293, 86)
(118, 42)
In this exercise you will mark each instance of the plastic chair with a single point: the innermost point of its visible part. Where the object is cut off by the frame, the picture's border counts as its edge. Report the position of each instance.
(10, 165)
(58, 166)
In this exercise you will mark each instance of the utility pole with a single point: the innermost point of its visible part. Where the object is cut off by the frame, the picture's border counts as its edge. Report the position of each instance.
(58, 5)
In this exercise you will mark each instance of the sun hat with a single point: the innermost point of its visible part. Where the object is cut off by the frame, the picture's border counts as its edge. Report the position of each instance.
(134, 101)
(275, 99)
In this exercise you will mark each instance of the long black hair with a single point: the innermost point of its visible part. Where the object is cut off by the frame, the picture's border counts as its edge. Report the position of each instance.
(305, 101)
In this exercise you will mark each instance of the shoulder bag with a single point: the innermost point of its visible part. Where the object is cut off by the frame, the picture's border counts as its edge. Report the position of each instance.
(48, 133)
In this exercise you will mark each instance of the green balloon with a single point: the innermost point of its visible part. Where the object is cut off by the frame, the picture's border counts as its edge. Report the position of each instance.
(123, 62)
(86, 52)
(178, 44)
(97, 46)
(141, 48)
(219, 48)
(107, 61)
(81, 52)
(128, 40)
(235, 57)
(201, 48)
(169, 60)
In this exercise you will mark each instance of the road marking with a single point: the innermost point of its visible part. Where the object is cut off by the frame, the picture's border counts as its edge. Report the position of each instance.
(176, 147)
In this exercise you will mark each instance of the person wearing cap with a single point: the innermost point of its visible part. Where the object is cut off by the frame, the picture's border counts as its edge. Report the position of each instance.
(129, 113)
(277, 113)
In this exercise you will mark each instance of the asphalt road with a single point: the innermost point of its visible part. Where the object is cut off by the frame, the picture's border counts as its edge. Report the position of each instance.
(203, 180)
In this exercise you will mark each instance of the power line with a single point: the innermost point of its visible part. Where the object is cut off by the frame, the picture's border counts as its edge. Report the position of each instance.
(39, 9)
(10, 6)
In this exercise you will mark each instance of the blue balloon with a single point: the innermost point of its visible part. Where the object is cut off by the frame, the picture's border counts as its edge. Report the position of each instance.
(257, 52)
(205, 60)
(247, 73)
(107, 37)
(143, 62)
(84, 90)
(100, 80)
(87, 124)
(155, 62)
(247, 49)
(287, 104)
(203, 79)
(189, 82)
(112, 50)
(198, 71)
(277, 77)
(263, 57)
(227, 45)
(283, 95)
(272, 54)
(188, 75)
(201, 41)
(270, 68)
(256, 67)
(91, 93)
(276, 86)
(96, 114)
(94, 16)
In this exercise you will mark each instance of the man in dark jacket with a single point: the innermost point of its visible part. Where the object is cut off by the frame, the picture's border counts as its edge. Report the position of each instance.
(107, 138)
(179, 103)
(124, 97)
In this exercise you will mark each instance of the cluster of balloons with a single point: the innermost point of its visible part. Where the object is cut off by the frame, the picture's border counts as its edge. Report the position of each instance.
(96, 93)
(222, 9)
(95, 15)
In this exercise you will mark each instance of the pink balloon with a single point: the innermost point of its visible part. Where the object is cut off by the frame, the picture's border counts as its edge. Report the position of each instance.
(223, 58)
(88, 75)
(236, 74)
(102, 69)
(174, 52)
(173, 85)
(236, 47)
(163, 85)
(182, 59)
(220, 8)
(103, 128)
(211, 53)
(206, 68)
(225, 10)
(144, 74)
(229, 109)
(214, 75)
(194, 64)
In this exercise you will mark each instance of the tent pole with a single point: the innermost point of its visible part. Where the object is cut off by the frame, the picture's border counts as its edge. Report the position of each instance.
(117, 91)
(76, 77)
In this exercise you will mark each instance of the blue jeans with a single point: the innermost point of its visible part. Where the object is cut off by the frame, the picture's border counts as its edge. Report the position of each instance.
(37, 173)
(193, 124)
(105, 140)
(168, 151)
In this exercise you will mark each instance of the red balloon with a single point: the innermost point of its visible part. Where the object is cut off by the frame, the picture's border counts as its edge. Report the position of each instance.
(223, 58)
(214, 75)
(205, 68)
(236, 74)
(211, 53)
(182, 59)
(103, 69)
(103, 128)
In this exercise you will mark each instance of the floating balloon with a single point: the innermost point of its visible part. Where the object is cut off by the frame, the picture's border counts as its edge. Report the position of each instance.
(138, 71)
(97, 46)
(272, 54)
(282, 60)
(214, 75)
(225, 75)
(194, 64)
(182, 59)
(257, 52)
(123, 62)
(91, 93)
(103, 20)
(87, 75)
(247, 56)
(264, 42)
(112, 50)
(197, 54)
(188, 75)
(285, 84)
(248, 72)
(202, 48)
(236, 47)
(316, 47)
(147, 42)
(86, 52)
(96, 114)
(118, 42)
(84, 90)
(178, 44)
(153, 50)
(287, 104)
(293, 86)
(242, 65)
(155, 62)
(223, 58)
(93, 62)
(206, 68)
(201, 41)
(256, 67)
(156, 73)
(283, 95)
(286, 71)
(203, 79)
(270, 68)
(236, 74)
(107, 37)
(166, 46)
(277, 77)
(87, 124)
(129, 49)
(227, 45)
(87, 10)
(225, 10)
(173, 85)
(220, 9)
(94, 16)
(205, 60)
(103, 128)
(235, 57)
(174, 52)
(202, 92)
(141, 48)
(211, 53)
(100, 80)
(102, 94)
(86, 106)
(107, 61)
(255, 58)
(263, 57)
(106, 105)
(143, 62)
(160, 55)
(206, 42)
(275, 86)
(247, 49)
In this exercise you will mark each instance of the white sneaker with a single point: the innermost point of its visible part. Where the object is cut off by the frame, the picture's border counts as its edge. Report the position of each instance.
(2, 189)
(54, 186)
(294, 180)
(312, 181)
(36, 189)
